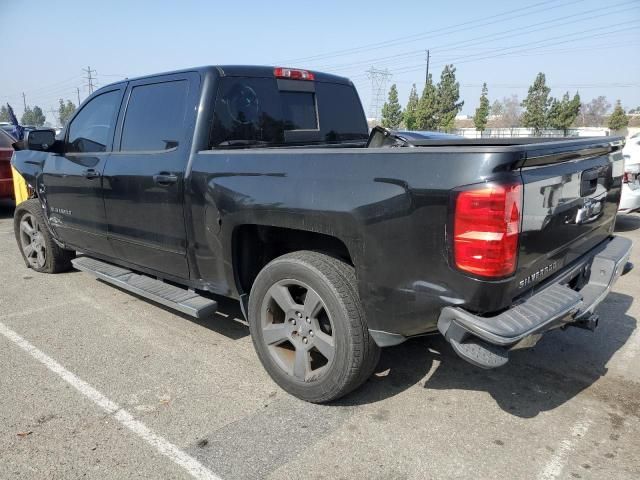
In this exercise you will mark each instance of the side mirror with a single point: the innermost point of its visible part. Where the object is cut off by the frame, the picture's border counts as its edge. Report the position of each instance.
(41, 140)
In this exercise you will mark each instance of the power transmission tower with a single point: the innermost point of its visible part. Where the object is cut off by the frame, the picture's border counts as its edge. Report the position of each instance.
(55, 114)
(90, 78)
(379, 79)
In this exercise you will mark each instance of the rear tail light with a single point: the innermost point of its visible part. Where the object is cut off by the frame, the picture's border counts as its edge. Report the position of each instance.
(625, 177)
(293, 73)
(486, 230)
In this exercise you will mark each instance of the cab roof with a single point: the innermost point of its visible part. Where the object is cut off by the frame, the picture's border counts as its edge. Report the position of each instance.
(242, 71)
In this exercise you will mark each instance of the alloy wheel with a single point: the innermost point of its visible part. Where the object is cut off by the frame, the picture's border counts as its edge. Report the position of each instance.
(32, 241)
(298, 330)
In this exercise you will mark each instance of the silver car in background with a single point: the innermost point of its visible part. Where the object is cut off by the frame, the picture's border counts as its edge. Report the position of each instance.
(630, 197)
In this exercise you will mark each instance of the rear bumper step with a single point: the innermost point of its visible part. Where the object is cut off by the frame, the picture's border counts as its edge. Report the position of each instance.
(486, 341)
(177, 298)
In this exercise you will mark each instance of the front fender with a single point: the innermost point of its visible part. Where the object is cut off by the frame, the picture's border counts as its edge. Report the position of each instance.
(29, 164)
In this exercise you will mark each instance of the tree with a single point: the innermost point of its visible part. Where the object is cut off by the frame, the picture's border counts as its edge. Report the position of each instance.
(65, 110)
(508, 113)
(4, 114)
(592, 114)
(497, 109)
(618, 119)
(481, 117)
(512, 115)
(33, 116)
(564, 112)
(391, 110)
(536, 105)
(411, 112)
(427, 107)
(635, 111)
(448, 94)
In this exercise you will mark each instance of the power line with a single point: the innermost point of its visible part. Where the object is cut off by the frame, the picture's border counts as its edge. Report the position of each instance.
(512, 32)
(475, 57)
(419, 36)
(43, 87)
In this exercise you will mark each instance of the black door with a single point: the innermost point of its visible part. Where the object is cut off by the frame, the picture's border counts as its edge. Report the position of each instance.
(144, 177)
(72, 182)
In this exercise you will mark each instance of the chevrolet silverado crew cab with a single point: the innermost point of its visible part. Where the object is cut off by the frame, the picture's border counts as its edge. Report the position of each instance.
(264, 184)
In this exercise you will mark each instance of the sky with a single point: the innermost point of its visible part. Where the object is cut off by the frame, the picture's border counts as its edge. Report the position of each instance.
(589, 46)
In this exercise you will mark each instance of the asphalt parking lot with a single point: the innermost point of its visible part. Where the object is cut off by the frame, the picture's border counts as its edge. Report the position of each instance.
(96, 383)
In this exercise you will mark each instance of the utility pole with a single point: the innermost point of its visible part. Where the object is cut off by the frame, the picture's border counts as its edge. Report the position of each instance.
(24, 101)
(379, 79)
(90, 78)
(426, 76)
(78, 91)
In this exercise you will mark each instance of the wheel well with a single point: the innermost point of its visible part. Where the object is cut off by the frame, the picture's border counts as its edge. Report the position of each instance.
(256, 245)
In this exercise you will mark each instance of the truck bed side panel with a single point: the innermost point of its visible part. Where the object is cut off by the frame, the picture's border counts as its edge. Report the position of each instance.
(388, 206)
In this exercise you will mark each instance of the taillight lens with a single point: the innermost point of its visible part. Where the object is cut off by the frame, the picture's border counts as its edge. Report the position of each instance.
(486, 230)
(625, 177)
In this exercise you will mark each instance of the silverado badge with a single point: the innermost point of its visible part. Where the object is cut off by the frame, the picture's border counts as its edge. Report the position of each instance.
(538, 275)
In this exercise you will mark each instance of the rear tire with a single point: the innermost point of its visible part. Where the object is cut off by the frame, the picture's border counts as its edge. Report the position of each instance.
(308, 326)
(39, 251)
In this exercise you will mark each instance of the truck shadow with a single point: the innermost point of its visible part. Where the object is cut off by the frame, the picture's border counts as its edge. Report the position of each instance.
(6, 209)
(228, 322)
(627, 222)
(562, 365)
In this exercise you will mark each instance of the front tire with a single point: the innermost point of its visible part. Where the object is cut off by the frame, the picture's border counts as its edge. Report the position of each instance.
(308, 327)
(39, 251)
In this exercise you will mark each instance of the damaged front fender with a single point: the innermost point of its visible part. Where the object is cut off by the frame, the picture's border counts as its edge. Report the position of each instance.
(26, 167)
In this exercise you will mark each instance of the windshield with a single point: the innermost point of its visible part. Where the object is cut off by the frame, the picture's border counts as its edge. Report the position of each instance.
(258, 112)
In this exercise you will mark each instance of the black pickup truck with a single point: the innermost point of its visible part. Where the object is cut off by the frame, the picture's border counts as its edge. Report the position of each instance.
(263, 184)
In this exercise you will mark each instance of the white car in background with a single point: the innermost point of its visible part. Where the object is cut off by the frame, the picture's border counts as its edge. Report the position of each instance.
(630, 198)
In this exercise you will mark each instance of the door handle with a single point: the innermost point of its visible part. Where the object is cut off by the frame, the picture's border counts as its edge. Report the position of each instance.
(91, 173)
(165, 178)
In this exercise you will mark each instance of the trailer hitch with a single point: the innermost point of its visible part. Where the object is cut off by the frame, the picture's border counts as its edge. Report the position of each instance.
(587, 323)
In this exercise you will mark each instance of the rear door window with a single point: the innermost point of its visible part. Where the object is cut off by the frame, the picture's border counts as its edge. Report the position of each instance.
(154, 120)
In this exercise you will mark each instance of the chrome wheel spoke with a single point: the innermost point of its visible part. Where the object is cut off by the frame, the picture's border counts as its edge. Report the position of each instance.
(301, 364)
(324, 344)
(40, 256)
(26, 228)
(28, 250)
(312, 304)
(282, 297)
(274, 333)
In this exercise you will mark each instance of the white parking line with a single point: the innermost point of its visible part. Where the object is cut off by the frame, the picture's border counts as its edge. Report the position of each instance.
(163, 446)
(554, 467)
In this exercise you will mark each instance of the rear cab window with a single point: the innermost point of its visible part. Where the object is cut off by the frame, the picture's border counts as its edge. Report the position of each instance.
(270, 112)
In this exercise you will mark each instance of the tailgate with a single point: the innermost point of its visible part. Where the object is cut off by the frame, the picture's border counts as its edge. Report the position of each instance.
(571, 195)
